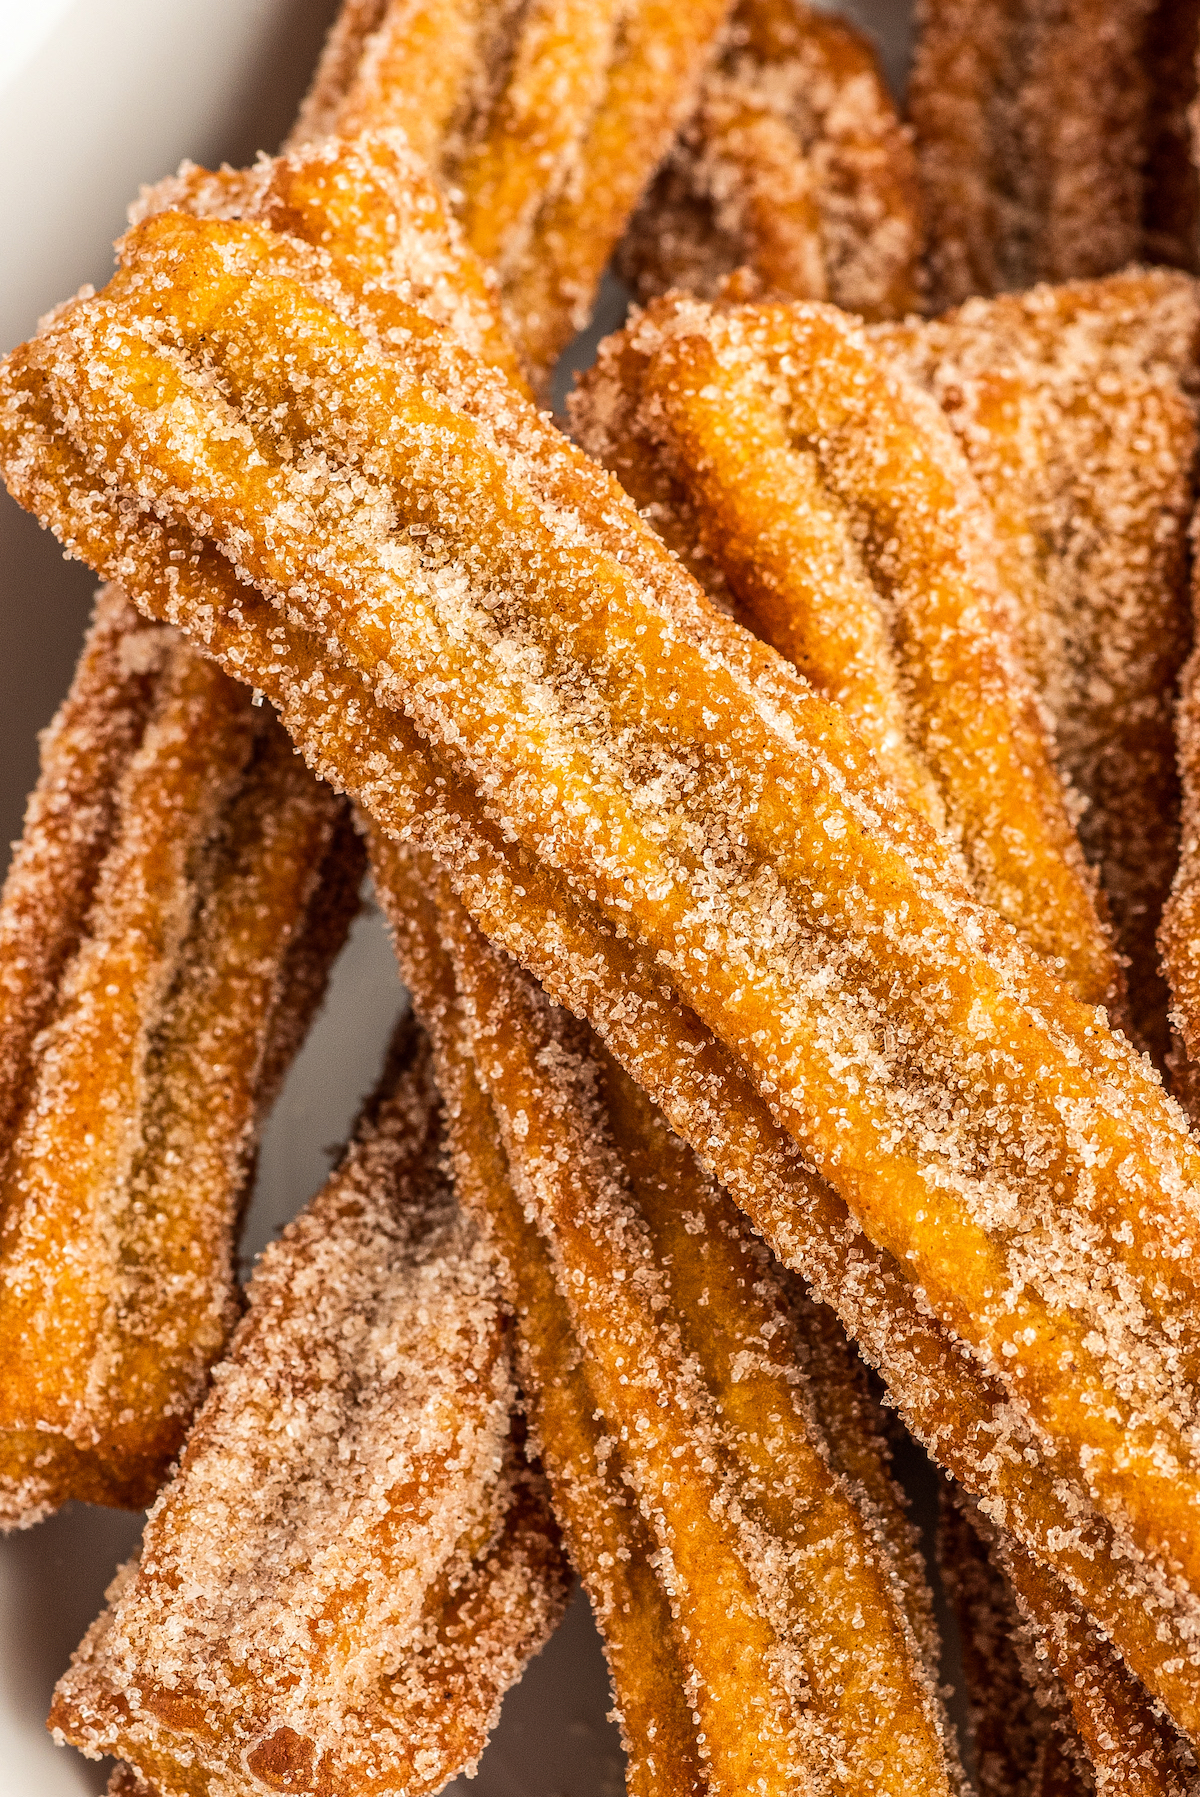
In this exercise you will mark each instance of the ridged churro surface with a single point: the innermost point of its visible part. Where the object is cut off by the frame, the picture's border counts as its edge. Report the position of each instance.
(601, 734)
(544, 121)
(353, 1561)
(828, 499)
(167, 940)
(677, 1311)
(793, 173)
(1070, 404)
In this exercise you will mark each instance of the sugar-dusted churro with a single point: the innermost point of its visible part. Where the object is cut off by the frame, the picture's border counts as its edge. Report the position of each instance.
(608, 1540)
(1030, 123)
(1015, 1723)
(691, 1358)
(544, 123)
(793, 172)
(850, 534)
(1050, 1699)
(371, 205)
(1069, 404)
(353, 1561)
(164, 953)
(471, 628)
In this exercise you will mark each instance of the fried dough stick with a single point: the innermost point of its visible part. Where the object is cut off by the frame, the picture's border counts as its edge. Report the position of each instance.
(68, 826)
(857, 543)
(794, 170)
(1077, 1696)
(1030, 121)
(962, 1415)
(671, 1293)
(544, 122)
(374, 209)
(243, 997)
(1014, 1725)
(353, 1562)
(1069, 407)
(605, 1535)
(954, 961)
(712, 1278)
(180, 994)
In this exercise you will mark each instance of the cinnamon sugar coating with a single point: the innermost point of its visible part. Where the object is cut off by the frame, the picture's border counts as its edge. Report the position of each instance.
(1179, 933)
(793, 172)
(661, 820)
(694, 1363)
(829, 499)
(1030, 123)
(543, 120)
(354, 1560)
(167, 932)
(371, 205)
(1070, 405)
(1052, 1705)
(608, 1540)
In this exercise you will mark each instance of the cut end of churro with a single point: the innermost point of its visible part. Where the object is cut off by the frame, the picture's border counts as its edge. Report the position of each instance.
(354, 1559)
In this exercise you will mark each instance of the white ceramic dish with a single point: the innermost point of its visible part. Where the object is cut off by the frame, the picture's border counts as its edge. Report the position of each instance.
(96, 97)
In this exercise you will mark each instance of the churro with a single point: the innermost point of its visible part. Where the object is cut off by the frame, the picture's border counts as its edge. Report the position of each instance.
(793, 172)
(1030, 122)
(354, 1560)
(686, 845)
(693, 1360)
(1069, 405)
(543, 122)
(857, 543)
(1014, 1722)
(166, 941)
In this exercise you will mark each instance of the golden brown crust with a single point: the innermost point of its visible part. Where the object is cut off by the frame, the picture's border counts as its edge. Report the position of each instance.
(68, 827)
(830, 496)
(609, 1542)
(670, 688)
(794, 173)
(544, 122)
(1070, 405)
(1029, 125)
(351, 1564)
(693, 1312)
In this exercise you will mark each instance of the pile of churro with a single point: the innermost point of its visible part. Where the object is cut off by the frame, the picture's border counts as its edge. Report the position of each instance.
(780, 776)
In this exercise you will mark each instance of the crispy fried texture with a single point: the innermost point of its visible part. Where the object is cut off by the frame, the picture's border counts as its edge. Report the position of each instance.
(600, 731)
(608, 1540)
(69, 823)
(673, 1304)
(830, 497)
(1069, 404)
(794, 172)
(373, 208)
(169, 1010)
(352, 1563)
(1030, 122)
(1010, 1717)
(544, 121)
